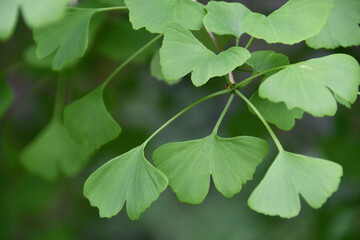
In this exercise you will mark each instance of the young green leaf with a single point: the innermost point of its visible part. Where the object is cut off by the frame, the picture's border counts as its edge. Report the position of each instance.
(276, 113)
(182, 53)
(68, 37)
(297, 20)
(155, 15)
(6, 95)
(54, 151)
(225, 18)
(293, 174)
(310, 85)
(156, 71)
(37, 13)
(230, 161)
(262, 61)
(89, 122)
(129, 177)
(341, 28)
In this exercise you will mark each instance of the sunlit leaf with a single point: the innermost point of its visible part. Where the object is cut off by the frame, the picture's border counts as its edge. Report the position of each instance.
(67, 37)
(341, 28)
(292, 175)
(129, 177)
(229, 161)
(310, 85)
(297, 20)
(154, 15)
(182, 53)
(225, 18)
(6, 95)
(54, 151)
(8, 18)
(89, 122)
(262, 61)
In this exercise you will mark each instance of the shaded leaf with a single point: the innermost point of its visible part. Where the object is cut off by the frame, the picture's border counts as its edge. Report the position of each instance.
(293, 174)
(6, 95)
(54, 151)
(261, 61)
(89, 122)
(155, 15)
(225, 18)
(129, 177)
(295, 21)
(310, 85)
(182, 53)
(341, 28)
(156, 71)
(230, 161)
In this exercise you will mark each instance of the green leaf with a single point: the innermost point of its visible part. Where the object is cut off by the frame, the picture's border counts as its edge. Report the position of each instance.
(156, 71)
(293, 174)
(6, 95)
(276, 113)
(230, 161)
(262, 61)
(36, 13)
(89, 122)
(129, 177)
(155, 15)
(182, 53)
(225, 18)
(297, 20)
(310, 85)
(68, 37)
(341, 28)
(54, 151)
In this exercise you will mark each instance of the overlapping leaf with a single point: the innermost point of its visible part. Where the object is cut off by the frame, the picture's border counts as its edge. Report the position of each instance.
(341, 28)
(262, 61)
(182, 53)
(68, 37)
(6, 95)
(129, 177)
(225, 18)
(310, 85)
(89, 122)
(54, 151)
(36, 13)
(155, 15)
(293, 174)
(297, 20)
(230, 161)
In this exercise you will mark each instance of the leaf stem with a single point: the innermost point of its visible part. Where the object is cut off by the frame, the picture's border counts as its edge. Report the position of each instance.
(272, 134)
(185, 110)
(216, 128)
(249, 43)
(111, 9)
(60, 98)
(138, 52)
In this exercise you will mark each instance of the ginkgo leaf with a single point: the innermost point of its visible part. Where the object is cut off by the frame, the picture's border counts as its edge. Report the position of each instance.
(310, 85)
(129, 177)
(229, 161)
(297, 20)
(89, 122)
(156, 70)
(276, 113)
(341, 28)
(6, 95)
(36, 13)
(262, 61)
(182, 53)
(293, 174)
(225, 18)
(54, 151)
(67, 37)
(155, 15)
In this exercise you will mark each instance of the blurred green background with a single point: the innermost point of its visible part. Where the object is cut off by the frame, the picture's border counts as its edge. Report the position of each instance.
(32, 208)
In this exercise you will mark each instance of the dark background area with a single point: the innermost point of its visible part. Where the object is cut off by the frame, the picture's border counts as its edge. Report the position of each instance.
(32, 208)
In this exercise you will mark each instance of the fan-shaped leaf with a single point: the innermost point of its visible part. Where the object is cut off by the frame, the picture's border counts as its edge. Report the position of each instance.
(293, 174)
(225, 18)
(6, 95)
(182, 53)
(310, 85)
(262, 61)
(89, 122)
(154, 15)
(129, 177)
(230, 161)
(341, 28)
(297, 20)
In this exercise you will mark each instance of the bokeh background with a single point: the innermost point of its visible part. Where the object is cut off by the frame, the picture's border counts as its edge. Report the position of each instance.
(33, 208)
